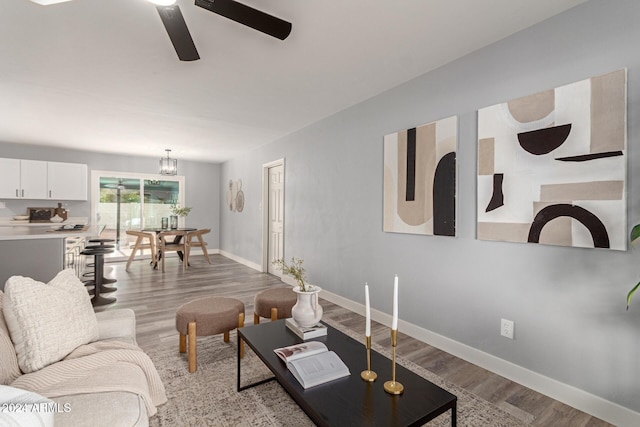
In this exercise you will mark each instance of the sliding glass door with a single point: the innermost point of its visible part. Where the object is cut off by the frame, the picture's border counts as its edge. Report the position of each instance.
(126, 201)
(159, 196)
(120, 206)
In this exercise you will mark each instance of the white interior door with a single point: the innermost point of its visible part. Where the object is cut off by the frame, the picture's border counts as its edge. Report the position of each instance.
(276, 216)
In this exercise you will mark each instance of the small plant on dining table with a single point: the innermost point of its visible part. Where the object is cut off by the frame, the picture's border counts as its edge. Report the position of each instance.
(177, 210)
(296, 270)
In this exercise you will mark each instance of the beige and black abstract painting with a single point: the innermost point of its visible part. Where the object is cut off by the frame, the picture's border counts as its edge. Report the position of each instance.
(420, 179)
(552, 166)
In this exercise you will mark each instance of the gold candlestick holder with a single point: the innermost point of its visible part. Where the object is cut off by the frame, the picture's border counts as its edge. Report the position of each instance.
(394, 387)
(368, 375)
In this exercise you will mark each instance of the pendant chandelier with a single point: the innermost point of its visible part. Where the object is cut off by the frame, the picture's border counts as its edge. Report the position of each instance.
(168, 166)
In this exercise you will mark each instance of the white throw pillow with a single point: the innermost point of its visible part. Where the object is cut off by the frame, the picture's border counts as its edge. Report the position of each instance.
(48, 321)
(9, 369)
(24, 408)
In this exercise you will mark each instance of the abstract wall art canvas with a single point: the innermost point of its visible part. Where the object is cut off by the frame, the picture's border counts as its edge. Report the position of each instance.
(420, 179)
(552, 166)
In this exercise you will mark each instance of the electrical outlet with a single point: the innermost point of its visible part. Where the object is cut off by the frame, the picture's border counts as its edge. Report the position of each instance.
(506, 328)
(2, 205)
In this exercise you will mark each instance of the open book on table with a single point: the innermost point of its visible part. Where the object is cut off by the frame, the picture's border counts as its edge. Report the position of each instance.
(312, 363)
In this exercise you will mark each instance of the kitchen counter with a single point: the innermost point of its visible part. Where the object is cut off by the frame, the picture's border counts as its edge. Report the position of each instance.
(44, 232)
(9, 230)
(36, 250)
(9, 222)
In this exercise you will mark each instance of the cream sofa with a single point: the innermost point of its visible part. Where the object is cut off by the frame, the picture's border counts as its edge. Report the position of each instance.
(105, 404)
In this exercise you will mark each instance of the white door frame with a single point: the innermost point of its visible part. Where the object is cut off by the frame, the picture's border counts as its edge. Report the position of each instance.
(265, 210)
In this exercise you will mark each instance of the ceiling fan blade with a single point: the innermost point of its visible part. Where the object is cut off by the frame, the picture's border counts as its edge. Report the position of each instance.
(248, 16)
(178, 32)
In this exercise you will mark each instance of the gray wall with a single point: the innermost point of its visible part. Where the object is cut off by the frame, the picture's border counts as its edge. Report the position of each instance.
(202, 181)
(568, 304)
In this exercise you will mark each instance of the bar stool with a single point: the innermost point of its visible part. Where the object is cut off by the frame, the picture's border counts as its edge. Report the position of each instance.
(90, 272)
(104, 281)
(102, 244)
(98, 252)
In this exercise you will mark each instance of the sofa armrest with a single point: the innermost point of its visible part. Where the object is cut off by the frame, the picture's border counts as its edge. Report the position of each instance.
(119, 323)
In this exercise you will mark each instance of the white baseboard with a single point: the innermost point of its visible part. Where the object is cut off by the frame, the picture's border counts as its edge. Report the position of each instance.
(591, 404)
(198, 251)
(586, 402)
(240, 260)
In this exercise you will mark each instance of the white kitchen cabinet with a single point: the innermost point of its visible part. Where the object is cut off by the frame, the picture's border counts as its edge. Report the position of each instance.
(33, 179)
(36, 179)
(23, 179)
(9, 179)
(67, 181)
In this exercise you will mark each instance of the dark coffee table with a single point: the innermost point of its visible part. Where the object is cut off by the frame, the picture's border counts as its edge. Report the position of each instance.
(349, 401)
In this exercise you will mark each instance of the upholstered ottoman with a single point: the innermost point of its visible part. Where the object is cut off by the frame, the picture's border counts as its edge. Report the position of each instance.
(273, 303)
(207, 316)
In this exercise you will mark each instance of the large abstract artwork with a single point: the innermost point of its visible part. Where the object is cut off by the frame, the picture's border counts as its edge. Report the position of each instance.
(420, 179)
(552, 166)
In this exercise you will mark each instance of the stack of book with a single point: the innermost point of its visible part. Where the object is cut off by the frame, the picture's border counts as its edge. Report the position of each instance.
(306, 333)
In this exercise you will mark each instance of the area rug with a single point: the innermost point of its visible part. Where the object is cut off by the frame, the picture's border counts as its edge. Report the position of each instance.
(208, 397)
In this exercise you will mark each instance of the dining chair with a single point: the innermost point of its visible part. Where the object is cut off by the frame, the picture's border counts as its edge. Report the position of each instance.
(140, 245)
(172, 241)
(191, 242)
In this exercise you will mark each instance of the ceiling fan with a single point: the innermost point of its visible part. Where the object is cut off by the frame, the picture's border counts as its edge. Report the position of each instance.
(179, 33)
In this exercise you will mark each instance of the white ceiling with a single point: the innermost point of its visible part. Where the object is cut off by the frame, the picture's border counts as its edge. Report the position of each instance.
(102, 75)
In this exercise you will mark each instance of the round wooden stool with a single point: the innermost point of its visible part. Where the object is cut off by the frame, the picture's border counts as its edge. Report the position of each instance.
(207, 316)
(273, 303)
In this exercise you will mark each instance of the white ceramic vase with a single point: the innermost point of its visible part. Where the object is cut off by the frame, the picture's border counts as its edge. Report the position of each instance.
(307, 311)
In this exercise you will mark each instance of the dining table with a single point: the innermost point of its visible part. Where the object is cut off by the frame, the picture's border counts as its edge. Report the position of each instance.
(179, 233)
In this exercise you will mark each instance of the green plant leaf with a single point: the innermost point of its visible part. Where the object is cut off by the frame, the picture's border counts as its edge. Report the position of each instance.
(630, 295)
(295, 269)
(635, 233)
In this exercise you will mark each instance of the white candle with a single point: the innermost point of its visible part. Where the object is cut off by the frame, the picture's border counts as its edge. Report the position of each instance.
(367, 311)
(394, 322)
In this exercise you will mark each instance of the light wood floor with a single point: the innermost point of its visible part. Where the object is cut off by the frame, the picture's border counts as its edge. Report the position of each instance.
(155, 296)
